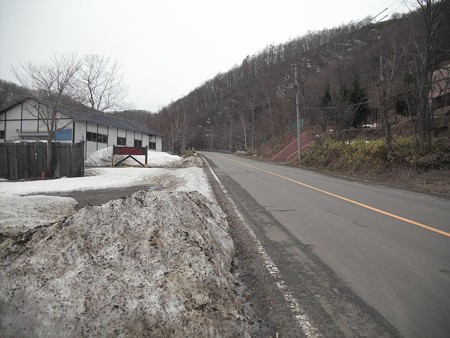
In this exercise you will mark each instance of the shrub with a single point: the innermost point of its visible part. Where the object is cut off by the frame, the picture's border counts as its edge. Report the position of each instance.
(359, 155)
(189, 152)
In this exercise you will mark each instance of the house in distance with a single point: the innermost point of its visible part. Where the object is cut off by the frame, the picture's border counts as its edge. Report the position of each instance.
(22, 122)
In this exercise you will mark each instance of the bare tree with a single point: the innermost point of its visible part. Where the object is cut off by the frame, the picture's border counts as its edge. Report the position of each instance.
(49, 84)
(336, 110)
(431, 45)
(100, 84)
(389, 64)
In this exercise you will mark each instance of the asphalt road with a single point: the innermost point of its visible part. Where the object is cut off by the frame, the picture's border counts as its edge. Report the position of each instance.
(390, 246)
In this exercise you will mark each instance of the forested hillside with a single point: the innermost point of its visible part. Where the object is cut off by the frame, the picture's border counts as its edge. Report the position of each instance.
(10, 93)
(348, 76)
(362, 73)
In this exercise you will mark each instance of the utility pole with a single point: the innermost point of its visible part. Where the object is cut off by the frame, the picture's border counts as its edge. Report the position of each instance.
(297, 110)
(231, 150)
(252, 127)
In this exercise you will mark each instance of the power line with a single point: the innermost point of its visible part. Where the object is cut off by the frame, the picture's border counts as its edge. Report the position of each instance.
(384, 10)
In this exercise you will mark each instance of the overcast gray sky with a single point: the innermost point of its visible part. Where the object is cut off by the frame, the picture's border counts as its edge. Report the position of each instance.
(166, 48)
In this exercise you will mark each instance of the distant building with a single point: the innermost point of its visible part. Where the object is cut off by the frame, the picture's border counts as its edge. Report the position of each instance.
(22, 122)
(440, 91)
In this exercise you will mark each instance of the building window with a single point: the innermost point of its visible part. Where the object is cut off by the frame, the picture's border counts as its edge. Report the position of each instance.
(94, 137)
(91, 136)
(2, 134)
(102, 138)
(152, 145)
(121, 141)
(137, 143)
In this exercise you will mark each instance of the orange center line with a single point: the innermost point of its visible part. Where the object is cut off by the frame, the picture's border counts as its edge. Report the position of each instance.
(403, 219)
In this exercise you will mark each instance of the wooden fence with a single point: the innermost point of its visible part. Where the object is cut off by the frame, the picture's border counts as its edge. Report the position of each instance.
(28, 160)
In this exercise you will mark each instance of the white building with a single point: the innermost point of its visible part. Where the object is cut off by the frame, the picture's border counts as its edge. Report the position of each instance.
(22, 122)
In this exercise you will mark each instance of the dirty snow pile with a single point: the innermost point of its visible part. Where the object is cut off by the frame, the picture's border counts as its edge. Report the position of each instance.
(156, 263)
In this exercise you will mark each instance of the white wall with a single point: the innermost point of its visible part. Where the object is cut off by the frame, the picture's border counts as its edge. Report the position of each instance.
(23, 119)
(122, 133)
(145, 139)
(112, 137)
(158, 143)
(12, 123)
(80, 131)
(130, 138)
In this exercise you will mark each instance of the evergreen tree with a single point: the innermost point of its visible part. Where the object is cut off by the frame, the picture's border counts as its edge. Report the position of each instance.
(326, 116)
(358, 98)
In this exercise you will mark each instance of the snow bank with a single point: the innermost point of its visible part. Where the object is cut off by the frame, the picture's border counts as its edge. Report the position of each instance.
(103, 158)
(191, 161)
(154, 264)
(189, 179)
(20, 213)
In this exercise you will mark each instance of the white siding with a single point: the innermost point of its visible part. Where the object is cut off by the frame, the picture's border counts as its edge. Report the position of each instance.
(130, 138)
(102, 130)
(24, 119)
(91, 127)
(112, 137)
(29, 111)
(29, 126)
(12, 130)
(65, 123)
(122, 133)
(158, 143)
(145, 140)
(14, 113)
(80, 131)
(42, 127)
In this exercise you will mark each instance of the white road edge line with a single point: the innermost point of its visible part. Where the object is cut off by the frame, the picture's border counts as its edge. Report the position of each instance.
(299, 314)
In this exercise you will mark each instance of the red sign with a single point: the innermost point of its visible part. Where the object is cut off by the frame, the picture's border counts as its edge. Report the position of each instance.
(129, 151)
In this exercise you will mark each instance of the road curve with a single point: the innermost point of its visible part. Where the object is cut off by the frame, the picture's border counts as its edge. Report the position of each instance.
(390, 246)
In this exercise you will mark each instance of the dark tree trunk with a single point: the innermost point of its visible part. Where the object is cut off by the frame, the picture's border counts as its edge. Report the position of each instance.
(49, 163)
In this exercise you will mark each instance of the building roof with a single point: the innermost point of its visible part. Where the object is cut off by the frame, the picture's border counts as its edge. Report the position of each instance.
(105, 119)
(84, 114)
